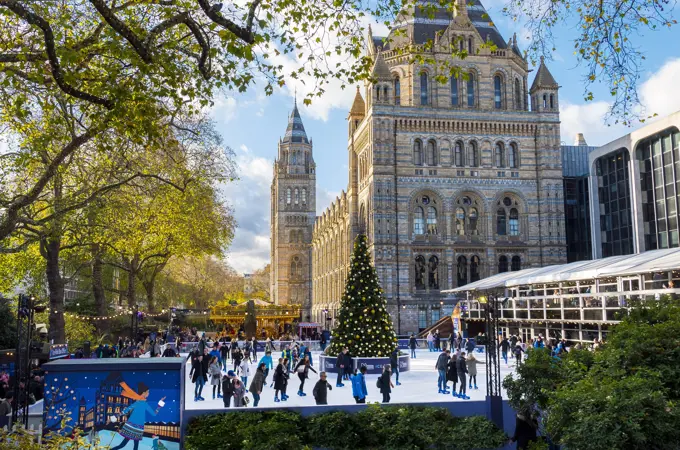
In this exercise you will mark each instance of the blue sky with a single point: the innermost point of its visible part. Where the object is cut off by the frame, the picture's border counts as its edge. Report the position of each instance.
(252, 123)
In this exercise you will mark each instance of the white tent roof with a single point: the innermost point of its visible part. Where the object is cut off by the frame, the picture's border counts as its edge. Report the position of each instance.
(651, 261)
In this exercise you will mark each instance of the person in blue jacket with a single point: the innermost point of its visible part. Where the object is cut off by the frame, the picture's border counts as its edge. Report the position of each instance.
(133, 429)
(268, 364)
(216, 353)
(359, 385)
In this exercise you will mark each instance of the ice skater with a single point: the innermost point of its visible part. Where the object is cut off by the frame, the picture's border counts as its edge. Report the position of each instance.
(461, 366)
(133, 429)
(302, 369)
(472, 370)
(442, 362)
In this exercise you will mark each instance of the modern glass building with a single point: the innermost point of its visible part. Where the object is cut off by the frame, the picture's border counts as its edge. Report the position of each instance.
(633, 187)
(576, 202)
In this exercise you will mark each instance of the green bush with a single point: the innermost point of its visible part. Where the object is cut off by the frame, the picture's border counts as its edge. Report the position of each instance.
(376, 427)
(276, 430)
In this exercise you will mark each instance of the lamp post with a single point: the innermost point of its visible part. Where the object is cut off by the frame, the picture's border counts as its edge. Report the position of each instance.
(493, 367)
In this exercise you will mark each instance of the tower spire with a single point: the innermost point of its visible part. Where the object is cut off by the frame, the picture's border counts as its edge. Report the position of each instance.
(295, 131)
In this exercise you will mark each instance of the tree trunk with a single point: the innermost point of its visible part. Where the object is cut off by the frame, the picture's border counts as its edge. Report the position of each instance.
(132, 277)
(100, 302)
(51, 247)
(149, 288)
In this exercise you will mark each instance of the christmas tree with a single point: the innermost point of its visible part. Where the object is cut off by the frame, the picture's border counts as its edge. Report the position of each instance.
(364, 325)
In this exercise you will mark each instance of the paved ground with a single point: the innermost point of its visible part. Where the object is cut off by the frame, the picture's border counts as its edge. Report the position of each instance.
(417, 385)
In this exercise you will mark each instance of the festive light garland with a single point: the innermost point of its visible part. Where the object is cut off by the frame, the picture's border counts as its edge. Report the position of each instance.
(113, 316)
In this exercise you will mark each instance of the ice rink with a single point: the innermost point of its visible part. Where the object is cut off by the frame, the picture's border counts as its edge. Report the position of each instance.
(417, 385)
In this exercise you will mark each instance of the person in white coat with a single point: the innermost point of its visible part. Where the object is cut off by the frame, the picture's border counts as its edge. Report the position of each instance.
(244, 372)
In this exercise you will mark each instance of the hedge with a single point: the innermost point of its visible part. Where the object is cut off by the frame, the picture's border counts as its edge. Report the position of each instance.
(376, 427)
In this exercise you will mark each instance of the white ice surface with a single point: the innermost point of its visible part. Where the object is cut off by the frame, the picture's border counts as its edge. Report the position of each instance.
(417, 385)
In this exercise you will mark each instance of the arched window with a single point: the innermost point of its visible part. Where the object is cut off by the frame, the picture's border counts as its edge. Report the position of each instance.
(515, 263)
(304, 196)
(397, 91)
(460, 221)
(500, 155)
(418, 153)
(458, 154)
(423, 88)
(552, 101)
(518, 95)
(470, 46)
(418, 221)
(363, 225)
(420, 272)
(433, 272)
(431, 220)
(500, 222)
(295, 268)
(297, 196)
(462, 271)
(288, 196)
(474, 269)
(497, 87)
(471, 90)
(431, 153)
(502, 264)
(386, 97)
(454, 91)
(472, 220)
(474, 155)
(513, 222)
(513, 156)
(545, 101)
(377, 93)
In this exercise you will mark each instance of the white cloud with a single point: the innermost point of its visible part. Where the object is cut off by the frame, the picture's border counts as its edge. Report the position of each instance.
(249, 196)
(244, 148)
(658, 95)
(224, 109)
(324, 198)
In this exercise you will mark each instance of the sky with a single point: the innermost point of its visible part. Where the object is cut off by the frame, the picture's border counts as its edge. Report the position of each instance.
(252, 123)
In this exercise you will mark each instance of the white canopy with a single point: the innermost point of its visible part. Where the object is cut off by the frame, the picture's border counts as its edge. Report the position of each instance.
(651, 261)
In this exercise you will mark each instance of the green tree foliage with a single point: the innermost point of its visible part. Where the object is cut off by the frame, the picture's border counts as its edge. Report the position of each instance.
(363, 325)
(622, 396)
(8, 324)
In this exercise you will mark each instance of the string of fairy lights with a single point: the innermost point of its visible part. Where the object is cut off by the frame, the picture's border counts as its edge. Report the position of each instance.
(126, 312)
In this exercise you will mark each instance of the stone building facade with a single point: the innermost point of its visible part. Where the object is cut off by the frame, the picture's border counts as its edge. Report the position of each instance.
(293, 211)
(451, 182)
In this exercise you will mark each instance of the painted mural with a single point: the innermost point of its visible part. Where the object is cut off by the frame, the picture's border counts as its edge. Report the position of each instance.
(133, 409)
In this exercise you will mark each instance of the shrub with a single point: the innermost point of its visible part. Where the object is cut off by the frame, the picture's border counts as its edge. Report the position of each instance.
(376, 427)
(248, 431)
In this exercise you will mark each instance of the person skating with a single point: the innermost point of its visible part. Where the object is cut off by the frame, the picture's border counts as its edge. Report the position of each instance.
(215, 372)
(394, 362)
(385, 383)
(412, 344)
(442, 362)
(302, 369)
(280, 380)
(287, 353)
(244, 372)
(437, 341)
(430, 341)
(505, 346)
(348, 366)
(239, 393)
(198, 378)
(268, 364)
(253, 344)
(133, 428)
(461, 366)
(320, 390)
(359, 390)
(340, 366)
(471, 363)
(237, 356)
(517, 352)
(258, 383)
(228, 388)
(452, 373)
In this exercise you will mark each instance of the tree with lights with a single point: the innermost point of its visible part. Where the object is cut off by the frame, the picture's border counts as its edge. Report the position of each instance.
(364, 325)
